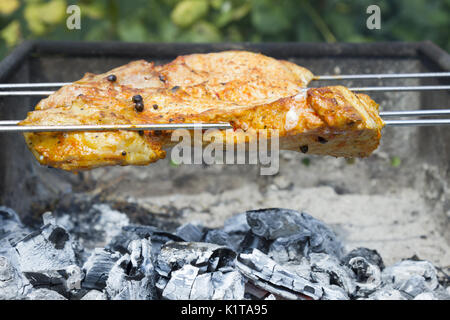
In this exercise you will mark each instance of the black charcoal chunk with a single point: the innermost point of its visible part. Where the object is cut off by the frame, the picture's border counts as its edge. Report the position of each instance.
(207, 257)
(45, 294)
(12, 284)
(338, 274)
(132, 277)
(414, 286)
(266, 274)
(334, 292)
(276, 223)
(135, 232)
(218, 286)
(180, 283)
(236, 224)
(252, 241)
(48, 249)
(94, 295)
(292, 248)
(219, 237)
(97, 268)
(372, 256)
(190, 232)
(399, 273)
(368, 275)
(11, 228)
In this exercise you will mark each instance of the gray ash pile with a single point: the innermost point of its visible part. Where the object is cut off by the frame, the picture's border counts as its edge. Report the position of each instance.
(259, 254)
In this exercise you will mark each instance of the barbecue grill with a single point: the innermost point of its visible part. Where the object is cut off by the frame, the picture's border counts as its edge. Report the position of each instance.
(31, 189)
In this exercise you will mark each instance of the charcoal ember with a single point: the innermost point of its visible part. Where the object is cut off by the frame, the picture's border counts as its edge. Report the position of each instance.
(12, 284)
(236, 224)
(414, 286)
(180, 283)
(291, 248)
(339, 274)
(207, 257)
(387, 293)
(94, 227)
(135, 232)
(266, 274)
(277, 223)
(236, 227)
(45, 294)
(97, 268)
(218, 286)
(219, 237)
(372, 256)
(132, 276)
(368, 275)
(190, 232)
(334, 292)
(94, 295)
(252, 241)
(399, 273)
(11, 228)
(48, 249)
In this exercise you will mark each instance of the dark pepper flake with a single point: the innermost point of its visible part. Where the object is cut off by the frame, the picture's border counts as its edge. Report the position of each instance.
(322, 140)
(175, 89)
(141, 133)
(162, 78)
(155, 106)
(137, 98)
(304, 149)
(124, 153)
(139, 107)
(157, 132)
(170, 120)
(112, 78)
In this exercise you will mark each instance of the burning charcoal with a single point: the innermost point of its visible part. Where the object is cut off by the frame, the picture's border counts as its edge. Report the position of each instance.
(97, 268)
(12, 284)
(387, 293)
(339, 275)
(218, 286)
(190, 232)
(180, 283)
(219, 237)
(334, 292)
(414, 286)
(368, 275)
(277, 223)
(135, 232)
(236, 224)
(45, 294)
(268, 275)
(94, 295)
(132, 276)
(11, 228)
(252, 241)
(206, 256)
(290, 248)
(426, 296)
(397, 274)
(372, 256)
(48, 249)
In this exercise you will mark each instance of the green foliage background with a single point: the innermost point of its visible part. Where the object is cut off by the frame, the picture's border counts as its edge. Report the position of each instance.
(224, 20)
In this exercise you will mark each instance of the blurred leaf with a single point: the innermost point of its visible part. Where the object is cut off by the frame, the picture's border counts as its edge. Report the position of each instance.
(11, 33)
(269, 17)
(40, 15)
(8, 6)
(189, 11)
(132, 31)
(202, 31)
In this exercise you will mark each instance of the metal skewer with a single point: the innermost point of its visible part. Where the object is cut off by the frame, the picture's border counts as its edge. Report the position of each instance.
(12, 126)
(316, 78)
(383, 76)
(356, 89)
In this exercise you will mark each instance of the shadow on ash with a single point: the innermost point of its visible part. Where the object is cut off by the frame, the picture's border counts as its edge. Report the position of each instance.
(259, 254)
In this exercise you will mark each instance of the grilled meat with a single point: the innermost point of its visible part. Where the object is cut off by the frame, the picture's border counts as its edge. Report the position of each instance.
(248, 90)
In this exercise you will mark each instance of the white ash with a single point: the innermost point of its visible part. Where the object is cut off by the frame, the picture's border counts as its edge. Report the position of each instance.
(261, 254)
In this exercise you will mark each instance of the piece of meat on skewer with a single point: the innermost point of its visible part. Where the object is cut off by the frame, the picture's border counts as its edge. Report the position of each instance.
(251, 92)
